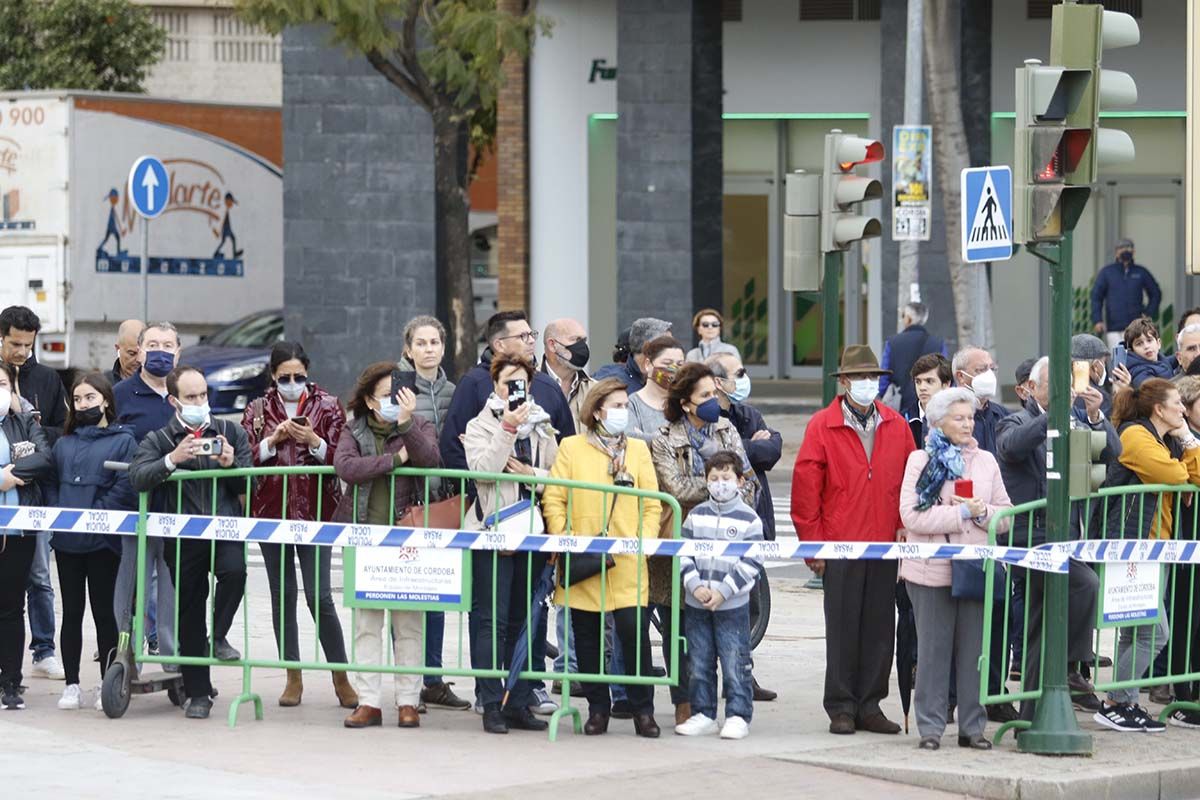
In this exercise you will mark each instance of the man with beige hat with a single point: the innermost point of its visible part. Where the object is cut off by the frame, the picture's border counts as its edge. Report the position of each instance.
(846, 488)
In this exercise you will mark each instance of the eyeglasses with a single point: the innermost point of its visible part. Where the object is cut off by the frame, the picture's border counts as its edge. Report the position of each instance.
(298, 379)
(710, 324)
(528, 337)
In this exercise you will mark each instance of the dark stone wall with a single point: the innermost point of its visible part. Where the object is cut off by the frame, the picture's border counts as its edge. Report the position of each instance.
(358, 208)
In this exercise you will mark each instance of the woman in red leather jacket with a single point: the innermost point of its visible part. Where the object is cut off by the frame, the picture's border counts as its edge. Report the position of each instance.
(297, 424)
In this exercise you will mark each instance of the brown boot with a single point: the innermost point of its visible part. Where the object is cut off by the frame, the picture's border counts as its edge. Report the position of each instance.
(683, 712)
(409, 717)
(293, 690)
(347, 697)
(364, 717)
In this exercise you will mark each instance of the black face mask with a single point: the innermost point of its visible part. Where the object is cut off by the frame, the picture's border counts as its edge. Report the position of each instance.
(88, 417)
(579, 354)
(1126, 257)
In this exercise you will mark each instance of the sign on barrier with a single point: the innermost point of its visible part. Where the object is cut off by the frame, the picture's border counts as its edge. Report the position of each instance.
(1130, 593)
(408, 578)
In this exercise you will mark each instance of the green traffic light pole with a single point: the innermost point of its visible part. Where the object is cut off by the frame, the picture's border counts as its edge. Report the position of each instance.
(831, 323)
(1055, 730)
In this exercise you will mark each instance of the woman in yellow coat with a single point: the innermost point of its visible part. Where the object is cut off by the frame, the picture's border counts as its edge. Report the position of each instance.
(604, 454)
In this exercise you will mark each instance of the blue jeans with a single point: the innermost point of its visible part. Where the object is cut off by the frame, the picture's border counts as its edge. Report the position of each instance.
(152, 604)
(566, 640)
(435, 638)
(724, 636)
(41, 600)
(616, 660)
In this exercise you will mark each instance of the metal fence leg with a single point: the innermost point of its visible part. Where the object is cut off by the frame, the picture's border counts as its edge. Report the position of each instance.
(566, 709)
(245, 696)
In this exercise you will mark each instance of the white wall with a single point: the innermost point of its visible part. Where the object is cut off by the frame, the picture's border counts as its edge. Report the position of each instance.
(560, 102)
(1157, 64)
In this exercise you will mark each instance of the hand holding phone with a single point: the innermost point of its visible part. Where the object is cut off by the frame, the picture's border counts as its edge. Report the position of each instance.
(1120, 356)
(403, 379)
(517, 394)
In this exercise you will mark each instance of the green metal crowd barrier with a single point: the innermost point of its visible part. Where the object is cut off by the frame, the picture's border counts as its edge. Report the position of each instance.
(1090, 517)
(431, 478)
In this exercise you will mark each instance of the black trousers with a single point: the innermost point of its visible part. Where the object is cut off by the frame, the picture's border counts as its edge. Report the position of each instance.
(190, 577)
(16, 556)
(510, 586)
(588, 635)
(1185, 627)
(332, 641)
(860, 635)
(680, 693)
(1084, 587)
(85, 578)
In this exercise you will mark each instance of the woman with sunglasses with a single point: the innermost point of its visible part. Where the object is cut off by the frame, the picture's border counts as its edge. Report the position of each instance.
(297, 424)
(707, 324)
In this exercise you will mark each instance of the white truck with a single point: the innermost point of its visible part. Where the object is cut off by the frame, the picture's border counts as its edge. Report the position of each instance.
(70, 240)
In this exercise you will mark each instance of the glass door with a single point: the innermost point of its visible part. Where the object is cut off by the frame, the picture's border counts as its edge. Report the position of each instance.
(750, 249)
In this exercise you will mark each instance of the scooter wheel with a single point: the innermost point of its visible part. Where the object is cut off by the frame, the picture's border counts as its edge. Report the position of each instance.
(114, 692)
(175, 696)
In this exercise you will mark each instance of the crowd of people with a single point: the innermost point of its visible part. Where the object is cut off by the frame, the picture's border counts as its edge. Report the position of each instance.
(928, 455)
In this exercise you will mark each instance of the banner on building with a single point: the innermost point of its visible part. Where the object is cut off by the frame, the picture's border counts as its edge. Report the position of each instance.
(912, 183)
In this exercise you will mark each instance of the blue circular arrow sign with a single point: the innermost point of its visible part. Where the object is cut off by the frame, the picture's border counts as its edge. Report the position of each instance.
(149, 186)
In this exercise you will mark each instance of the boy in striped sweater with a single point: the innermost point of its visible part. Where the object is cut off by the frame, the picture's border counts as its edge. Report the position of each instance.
(717, 592)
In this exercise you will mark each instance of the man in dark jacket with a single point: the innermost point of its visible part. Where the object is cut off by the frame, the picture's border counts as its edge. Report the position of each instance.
(633, 372)
(1021, 451)
(1128, 290)
(129, 352)
(161, 453)
(507, 332)
(902, 351)
(38, 384)
(142, 402)
(763, 447)
(42, 387)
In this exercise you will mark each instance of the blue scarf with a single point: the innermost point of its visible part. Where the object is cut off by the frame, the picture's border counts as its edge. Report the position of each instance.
(945, 462)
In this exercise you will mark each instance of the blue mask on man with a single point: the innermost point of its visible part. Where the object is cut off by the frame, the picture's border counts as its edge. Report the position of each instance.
(159, 363)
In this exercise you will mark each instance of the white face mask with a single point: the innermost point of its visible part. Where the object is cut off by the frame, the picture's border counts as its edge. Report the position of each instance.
(723, 489)
(290, 391)
(864, 391)
(5, 402)
(616, 421)
(984, 385)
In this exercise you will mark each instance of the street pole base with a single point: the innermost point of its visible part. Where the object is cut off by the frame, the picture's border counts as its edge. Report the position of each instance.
(1055, 731)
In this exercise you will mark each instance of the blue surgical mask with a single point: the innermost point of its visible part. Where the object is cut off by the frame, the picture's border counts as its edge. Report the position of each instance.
(389, 409)
(741, 389)
(616, 421)
(159, 363)
(194, 416)
(709, 410)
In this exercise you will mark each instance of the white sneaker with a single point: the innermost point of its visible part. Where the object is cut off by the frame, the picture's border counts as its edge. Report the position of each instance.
(698, 725)
(49, 667)
(542, 703)
(70, 698)
(735, 728)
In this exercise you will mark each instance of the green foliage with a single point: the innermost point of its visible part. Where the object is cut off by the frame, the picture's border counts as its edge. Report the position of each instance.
(444, 54)
(98, 45)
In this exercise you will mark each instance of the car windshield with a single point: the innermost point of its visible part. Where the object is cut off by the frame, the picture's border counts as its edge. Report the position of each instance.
(258, 331)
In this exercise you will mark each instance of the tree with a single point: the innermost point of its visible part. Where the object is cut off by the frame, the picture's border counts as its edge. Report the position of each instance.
(98, 45)
(446, 56)
(972, 305)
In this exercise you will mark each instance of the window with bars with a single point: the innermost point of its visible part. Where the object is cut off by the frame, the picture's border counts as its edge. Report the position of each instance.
(823, 10)
(1040, 9)
(236, 41)
(175, 23)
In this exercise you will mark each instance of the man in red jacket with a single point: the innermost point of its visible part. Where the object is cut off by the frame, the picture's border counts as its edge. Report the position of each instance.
(846, 488)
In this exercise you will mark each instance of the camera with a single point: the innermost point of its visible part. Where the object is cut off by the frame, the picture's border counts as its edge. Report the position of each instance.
(623, 478)
(208, 447)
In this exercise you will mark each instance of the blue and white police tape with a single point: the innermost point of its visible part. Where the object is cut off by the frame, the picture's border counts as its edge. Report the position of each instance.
(1165, 551)
(331, 534)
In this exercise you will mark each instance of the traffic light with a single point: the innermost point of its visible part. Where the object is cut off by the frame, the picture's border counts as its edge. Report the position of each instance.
(1079, 34)
(1085, 474)
(1046, 151)
(802, 233)
(842, 189)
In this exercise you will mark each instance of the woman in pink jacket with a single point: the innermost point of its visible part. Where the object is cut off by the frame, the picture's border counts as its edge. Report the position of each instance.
(933, 513)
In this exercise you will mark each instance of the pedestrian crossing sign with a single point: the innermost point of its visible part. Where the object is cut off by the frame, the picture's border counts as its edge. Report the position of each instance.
(986, 214)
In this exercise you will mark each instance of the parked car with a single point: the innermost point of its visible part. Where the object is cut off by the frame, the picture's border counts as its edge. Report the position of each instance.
(235, 359)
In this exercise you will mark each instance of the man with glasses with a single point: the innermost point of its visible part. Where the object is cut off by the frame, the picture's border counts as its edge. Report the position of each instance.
(975, 369)
(190, 441)
(508, 332)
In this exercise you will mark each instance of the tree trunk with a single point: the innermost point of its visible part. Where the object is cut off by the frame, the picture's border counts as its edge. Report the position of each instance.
(972, 305)
(456, 296)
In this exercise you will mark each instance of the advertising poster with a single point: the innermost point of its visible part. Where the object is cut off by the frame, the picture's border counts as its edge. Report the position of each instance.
(912, 183)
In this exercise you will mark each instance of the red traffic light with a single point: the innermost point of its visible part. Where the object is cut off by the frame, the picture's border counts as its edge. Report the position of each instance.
(852, 151)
